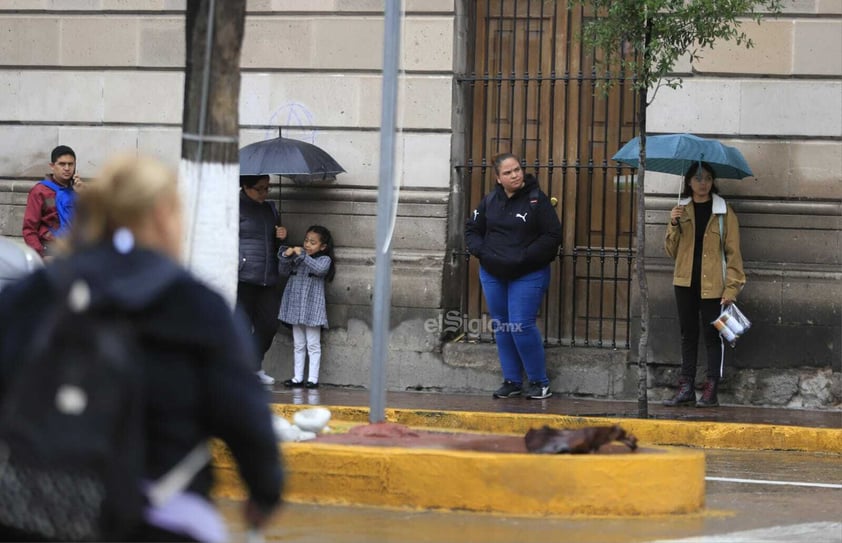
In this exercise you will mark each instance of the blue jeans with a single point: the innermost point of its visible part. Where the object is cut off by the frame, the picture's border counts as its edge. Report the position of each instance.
(514, 306)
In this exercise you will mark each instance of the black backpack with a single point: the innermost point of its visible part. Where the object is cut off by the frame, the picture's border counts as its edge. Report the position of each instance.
(71, 427)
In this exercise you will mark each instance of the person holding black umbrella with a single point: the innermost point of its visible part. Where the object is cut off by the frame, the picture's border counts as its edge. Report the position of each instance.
(703, 237)
(259, 285)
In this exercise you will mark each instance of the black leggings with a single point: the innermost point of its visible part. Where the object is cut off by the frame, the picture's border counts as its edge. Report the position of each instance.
(261, 305)
(690, 306)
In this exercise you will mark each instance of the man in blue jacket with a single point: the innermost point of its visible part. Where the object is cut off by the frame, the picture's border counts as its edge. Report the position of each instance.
(49, 205)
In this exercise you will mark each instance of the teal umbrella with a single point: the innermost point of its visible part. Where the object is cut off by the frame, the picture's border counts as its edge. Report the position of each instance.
(675, 153)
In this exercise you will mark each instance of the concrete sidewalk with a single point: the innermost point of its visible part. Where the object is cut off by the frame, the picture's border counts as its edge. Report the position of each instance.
(727, 427)
(560, 405)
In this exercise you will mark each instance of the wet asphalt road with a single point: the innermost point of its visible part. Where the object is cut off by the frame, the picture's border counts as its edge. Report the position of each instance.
(737, 511)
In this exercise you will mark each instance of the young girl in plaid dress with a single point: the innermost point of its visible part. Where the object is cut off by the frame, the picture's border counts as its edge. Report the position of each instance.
(303, 305)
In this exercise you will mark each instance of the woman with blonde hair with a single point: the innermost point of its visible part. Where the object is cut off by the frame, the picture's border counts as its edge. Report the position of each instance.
(125, 244)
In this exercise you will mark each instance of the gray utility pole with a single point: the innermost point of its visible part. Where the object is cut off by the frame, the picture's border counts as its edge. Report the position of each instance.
(385, 213)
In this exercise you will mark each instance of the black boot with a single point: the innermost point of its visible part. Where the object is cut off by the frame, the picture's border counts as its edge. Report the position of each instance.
(709, 398)
(685, 394)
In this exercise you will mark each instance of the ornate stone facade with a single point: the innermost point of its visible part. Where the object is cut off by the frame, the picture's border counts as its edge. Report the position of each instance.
(106, 76)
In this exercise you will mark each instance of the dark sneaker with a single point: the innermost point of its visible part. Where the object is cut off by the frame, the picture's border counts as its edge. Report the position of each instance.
(311, 384)
(508, 390)
(537, 391)
(685, 395)
(289, 383)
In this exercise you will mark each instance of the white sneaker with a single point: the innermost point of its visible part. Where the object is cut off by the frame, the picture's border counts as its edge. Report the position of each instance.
(265, 379)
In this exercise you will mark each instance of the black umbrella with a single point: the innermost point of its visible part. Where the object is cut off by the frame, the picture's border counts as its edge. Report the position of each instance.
(300, 161)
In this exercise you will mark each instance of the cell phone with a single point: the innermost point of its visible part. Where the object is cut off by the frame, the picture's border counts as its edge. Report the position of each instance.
(74, 183)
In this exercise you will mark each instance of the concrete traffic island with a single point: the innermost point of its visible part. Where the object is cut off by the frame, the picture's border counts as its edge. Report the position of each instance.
(612, 482)
(686, 433)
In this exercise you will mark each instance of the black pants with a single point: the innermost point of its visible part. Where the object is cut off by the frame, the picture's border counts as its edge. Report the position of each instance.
(260, 305)
(690, 306)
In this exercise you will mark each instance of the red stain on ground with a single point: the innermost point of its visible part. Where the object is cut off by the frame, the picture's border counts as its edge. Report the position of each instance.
(390, 434)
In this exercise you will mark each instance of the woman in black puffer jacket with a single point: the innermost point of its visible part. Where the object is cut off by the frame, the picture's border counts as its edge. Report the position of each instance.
(258, 289)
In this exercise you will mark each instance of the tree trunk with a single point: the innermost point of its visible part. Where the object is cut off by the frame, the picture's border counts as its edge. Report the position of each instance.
(640, 262)
(640, 269)
(209, 169)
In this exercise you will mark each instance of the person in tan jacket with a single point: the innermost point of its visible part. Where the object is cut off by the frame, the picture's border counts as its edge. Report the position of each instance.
(695, 242)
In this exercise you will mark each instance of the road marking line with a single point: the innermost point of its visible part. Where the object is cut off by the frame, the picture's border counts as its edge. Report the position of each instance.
(764, 482)
(817, 532)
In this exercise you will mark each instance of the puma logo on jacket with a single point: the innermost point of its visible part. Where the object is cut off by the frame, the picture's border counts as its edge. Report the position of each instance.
(506, 243)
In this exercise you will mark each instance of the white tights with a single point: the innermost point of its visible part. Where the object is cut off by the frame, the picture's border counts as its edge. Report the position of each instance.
(308, 337)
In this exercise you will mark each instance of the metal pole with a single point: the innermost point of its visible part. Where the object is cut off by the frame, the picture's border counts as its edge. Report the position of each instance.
(385, 211)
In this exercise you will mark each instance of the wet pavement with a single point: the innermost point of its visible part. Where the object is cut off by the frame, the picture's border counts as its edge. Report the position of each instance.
(559, 405)
(786, 511)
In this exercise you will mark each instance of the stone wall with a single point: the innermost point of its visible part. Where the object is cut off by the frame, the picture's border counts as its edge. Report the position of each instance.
(107, 75)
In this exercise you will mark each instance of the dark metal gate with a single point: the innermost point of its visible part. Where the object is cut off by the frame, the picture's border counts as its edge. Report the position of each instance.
(534, 91)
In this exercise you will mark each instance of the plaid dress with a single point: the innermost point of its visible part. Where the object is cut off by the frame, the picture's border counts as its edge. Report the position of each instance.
(304, 296)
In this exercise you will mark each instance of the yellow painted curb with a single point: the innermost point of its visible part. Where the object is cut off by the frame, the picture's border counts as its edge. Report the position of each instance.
(711, 435)
(660, 481)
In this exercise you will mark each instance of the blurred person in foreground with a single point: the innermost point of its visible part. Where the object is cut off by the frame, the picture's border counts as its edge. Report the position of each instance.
(125, 243)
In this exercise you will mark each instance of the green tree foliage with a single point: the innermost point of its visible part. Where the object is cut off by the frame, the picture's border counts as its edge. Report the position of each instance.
(647, 37)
